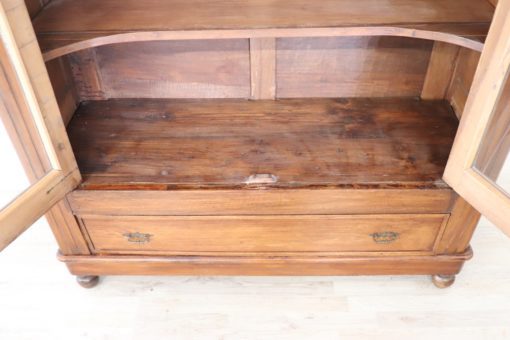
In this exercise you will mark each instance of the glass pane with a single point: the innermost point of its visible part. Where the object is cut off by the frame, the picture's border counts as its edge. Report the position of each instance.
(493, 159)
(13, 178)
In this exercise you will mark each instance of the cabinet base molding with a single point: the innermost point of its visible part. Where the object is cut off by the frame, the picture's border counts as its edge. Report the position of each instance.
(268, 265)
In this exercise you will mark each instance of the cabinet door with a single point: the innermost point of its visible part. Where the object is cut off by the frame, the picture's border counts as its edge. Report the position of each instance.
(482, 144)
(31, 119)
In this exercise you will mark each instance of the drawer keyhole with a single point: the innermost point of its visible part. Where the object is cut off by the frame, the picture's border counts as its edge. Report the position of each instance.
(137, 237)
(385, 237)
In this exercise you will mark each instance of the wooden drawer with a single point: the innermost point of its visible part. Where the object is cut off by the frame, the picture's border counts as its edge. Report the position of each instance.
(259, 234)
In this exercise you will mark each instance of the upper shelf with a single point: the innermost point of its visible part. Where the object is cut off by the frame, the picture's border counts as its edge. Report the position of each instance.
(90, 22)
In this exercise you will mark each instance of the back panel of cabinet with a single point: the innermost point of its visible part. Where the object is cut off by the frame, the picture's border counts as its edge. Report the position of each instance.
(304, 67)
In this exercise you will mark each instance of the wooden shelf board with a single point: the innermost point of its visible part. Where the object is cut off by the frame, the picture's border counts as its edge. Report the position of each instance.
(161, 144)
(65, 22)
(160, 15)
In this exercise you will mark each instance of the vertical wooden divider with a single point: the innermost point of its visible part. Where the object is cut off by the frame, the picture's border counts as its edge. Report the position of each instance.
(463, 74)
(440, 70)
(87, 76)
(263, 68)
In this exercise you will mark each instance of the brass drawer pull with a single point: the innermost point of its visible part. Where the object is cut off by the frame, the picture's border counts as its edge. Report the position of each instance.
(137, 237)
(385, 237)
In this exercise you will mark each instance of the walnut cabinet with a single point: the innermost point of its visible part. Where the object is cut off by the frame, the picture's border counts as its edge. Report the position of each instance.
(257, 137)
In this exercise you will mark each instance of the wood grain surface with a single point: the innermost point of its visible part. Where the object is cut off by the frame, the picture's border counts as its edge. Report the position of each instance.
(65, 26)
(351, 67)
(462, 78)
(440, 70)
(174, 69)
(68, 16)
(271, 265)
(286, 68)
(169, 144)
(322, 234)
(262, 202)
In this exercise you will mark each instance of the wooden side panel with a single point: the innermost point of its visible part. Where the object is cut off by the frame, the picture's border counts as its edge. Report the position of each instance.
(351, 67)
(175, 69)
(66, 229)
(462, 79)
(61, 78)
(440, 70)
(459, 229)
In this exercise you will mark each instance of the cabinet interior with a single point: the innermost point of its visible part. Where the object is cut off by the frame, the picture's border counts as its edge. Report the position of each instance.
(205, 111)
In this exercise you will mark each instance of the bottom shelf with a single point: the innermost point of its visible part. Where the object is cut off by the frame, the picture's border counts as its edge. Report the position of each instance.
(162, 144)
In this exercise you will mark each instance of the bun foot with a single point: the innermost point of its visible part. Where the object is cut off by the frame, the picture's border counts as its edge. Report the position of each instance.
(87, 281)
(443, 281)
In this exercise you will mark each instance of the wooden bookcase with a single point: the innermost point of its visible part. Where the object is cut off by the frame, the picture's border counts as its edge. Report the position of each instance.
(254, 137)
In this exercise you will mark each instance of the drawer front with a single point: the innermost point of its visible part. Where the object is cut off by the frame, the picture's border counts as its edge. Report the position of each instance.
(256, 234)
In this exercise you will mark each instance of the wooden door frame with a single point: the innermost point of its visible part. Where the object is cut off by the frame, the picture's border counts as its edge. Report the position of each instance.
(490, 77)
(33, 121)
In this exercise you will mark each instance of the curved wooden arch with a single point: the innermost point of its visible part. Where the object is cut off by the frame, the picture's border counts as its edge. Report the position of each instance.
(263, 33)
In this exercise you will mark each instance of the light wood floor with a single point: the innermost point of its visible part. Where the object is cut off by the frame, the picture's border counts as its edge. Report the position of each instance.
(40, 300)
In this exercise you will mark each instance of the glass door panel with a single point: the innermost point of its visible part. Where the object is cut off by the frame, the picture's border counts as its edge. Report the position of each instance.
(31, 121)
(492, 159)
